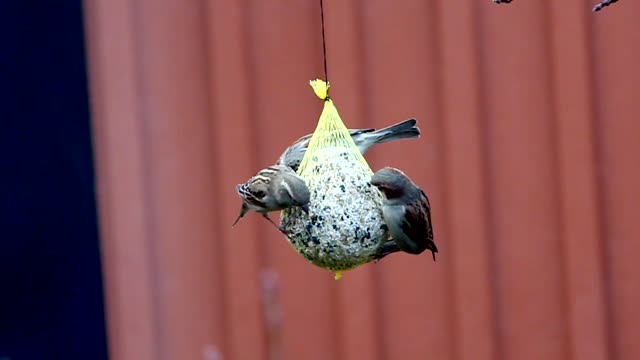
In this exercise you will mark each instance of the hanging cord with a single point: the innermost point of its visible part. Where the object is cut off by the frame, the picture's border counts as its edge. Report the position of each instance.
(324, 48)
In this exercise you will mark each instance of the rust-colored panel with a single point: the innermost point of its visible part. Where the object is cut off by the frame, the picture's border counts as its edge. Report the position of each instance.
(115, 105)
(616, 53)
(523, 170)
(529, 123)
(233, 134)
(401, 55)
(170, 41)
(465, 159)
(578, 194)
(152, 137)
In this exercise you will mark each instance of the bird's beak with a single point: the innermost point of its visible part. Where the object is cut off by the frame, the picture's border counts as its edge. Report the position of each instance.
(378, 185)
(375, 182)
(243, 211)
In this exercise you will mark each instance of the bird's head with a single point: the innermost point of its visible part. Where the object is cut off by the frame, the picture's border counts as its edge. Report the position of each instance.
(243, 189)
(391, 182)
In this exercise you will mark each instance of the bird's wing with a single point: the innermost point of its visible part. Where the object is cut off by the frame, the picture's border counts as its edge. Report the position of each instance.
(299, 145)
(417, 223)
(360, 131)
(292, 156)
(428, 211)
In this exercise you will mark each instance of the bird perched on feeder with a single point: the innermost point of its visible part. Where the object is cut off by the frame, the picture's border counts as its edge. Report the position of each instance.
(364, 139)
(276, 187)
(406, 212)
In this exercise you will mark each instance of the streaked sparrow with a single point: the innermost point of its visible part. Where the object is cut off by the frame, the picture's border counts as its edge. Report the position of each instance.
(364, 139)
(276, 187)
(406, 212)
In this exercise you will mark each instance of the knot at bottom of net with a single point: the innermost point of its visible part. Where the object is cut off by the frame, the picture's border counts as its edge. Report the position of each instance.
(344, 227)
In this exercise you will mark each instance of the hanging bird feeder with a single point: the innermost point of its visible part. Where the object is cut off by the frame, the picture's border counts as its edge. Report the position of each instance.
(344, 227)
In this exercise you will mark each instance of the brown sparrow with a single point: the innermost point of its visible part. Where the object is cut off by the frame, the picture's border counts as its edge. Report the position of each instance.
(406, 212)
(364, 139)
(276, 187)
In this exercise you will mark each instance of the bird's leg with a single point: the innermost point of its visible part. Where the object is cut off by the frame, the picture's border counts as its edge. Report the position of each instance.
(388, 248)
(243, 211)
(274, 224)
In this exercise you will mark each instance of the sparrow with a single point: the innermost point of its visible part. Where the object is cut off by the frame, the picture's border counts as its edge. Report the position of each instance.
(276, 187)
(406, 212)
(364, 139)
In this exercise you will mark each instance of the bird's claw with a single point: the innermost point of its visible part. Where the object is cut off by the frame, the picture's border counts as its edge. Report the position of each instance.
(388, 248)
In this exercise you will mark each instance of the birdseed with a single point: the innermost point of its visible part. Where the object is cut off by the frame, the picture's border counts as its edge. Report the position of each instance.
(344, 227)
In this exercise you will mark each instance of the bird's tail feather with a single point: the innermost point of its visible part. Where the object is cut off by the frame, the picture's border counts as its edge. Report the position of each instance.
(401, 130)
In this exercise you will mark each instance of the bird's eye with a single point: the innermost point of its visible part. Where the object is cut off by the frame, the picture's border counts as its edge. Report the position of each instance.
(259, 194)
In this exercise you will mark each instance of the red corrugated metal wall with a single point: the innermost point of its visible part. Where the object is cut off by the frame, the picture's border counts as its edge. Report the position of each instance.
(530, 120)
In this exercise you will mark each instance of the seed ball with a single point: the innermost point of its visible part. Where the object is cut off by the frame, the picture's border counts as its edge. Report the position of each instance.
(344, 227)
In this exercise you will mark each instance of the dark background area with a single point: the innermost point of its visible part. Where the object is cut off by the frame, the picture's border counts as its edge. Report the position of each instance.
(51, 303)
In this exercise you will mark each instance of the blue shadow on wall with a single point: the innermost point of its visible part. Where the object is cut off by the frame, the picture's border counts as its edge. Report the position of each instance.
(51, 301)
